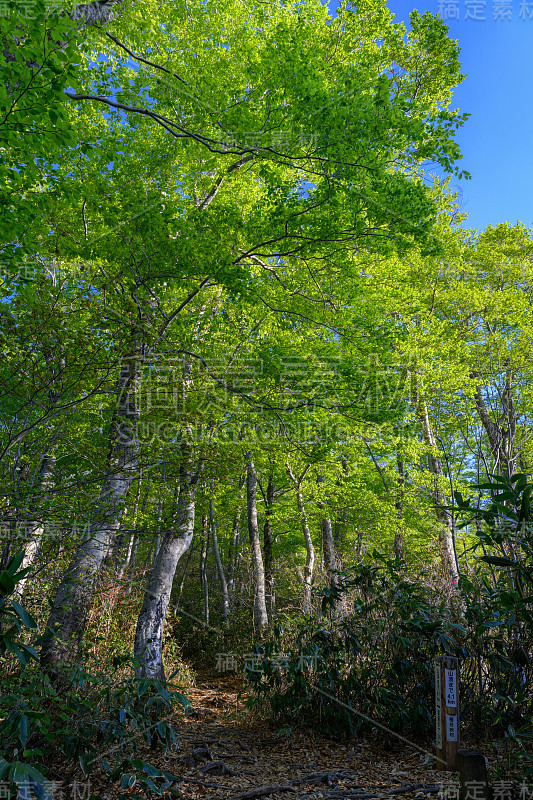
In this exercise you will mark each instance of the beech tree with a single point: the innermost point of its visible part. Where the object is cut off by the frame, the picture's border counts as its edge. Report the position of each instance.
(222, 162)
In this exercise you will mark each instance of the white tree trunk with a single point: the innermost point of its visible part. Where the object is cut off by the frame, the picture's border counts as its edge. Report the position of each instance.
(234, 550)
(66, 623)
(446, 532)
(398, 537)
(35, 529)
(220, 569)
(260, 610)
(268, 539)
(204, 582)
(96, 13)
(309, 547)
(328, 544)
(134, 537)
(148, 648)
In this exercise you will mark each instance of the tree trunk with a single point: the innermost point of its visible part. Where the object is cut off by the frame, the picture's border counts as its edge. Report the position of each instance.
(134, 536)
(444, 517)
(501, 434)
(260, 611)
(184, 575)
(342, 516)
(328, 544)
(95, 13)
(220, 570)
(328, 549)
(115, 550)
(234, 550)
(203, 566)
(6, 549)
(268, 538)
(309, 547)
(131, 552)
(148, 648)
(157, 544)
(398, 545)
(398, 538)
(66, 623)
(35, 529)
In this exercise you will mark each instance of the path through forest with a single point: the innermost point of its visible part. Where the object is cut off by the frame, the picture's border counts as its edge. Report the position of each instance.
(225, 754)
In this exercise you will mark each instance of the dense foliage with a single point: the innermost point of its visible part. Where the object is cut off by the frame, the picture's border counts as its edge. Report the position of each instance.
(378, 658)
(248, 351)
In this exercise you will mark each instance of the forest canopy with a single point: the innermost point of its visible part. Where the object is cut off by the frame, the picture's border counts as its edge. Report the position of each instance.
(262, 389)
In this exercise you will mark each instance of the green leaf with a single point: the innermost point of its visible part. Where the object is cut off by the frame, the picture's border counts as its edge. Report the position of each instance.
(498, 561)
(26, 618)
(24, 729)
(151, 770)
(7, 584)
(15, 563)
(128, 781)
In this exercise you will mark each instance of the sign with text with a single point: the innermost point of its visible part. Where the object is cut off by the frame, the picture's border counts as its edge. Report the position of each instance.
(451, 728)
(451, 688)
(438, 709)
(447, 721)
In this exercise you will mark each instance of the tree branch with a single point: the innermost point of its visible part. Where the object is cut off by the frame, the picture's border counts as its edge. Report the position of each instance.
(166, 123)
(144, 60)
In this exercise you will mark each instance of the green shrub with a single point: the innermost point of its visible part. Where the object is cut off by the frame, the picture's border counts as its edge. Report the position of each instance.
(94, 718)
(375, 664)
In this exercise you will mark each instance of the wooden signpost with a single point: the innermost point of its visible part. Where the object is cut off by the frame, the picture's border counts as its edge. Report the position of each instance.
(447, 721)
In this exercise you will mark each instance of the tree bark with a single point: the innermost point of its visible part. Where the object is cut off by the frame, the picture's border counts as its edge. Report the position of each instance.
(66, 623)
(260, 616)
(35, 529)
(184, 575)
(328, 545)
(148, 648)
(342, 515)
(96, 13)
(203, 566)
(157, 543)
(134, 536)
(398, 538)
(444, 517)
(234, 551)
(220, 569)
(501, 434)
(328, 549)
(309, 547)
(268, 539)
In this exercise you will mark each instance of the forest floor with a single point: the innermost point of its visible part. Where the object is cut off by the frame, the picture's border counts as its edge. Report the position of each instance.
(227, 753)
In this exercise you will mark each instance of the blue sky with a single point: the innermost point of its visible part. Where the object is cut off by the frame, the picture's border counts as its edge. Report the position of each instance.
(497, 140)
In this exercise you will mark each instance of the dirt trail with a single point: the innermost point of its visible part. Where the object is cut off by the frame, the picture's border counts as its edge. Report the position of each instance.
(225, 753)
